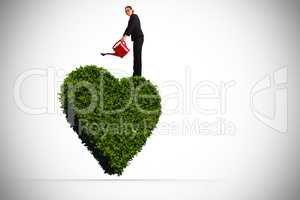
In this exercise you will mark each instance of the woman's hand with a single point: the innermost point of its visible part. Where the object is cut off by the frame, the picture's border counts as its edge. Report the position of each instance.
(123, 38)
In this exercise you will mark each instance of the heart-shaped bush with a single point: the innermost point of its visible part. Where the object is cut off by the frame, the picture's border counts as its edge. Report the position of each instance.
(112, 117)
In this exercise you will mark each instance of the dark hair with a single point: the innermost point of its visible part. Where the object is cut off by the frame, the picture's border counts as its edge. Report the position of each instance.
(129, 8)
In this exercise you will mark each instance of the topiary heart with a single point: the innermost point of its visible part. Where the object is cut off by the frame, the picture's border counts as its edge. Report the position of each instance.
(112, 117)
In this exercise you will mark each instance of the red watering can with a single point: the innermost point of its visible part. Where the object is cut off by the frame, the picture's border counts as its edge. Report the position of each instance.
(119, 48)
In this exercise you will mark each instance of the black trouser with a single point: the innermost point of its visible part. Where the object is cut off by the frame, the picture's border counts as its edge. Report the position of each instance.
(137, 56)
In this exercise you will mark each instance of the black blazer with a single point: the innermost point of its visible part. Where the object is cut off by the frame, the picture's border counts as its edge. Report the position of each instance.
(134, 27)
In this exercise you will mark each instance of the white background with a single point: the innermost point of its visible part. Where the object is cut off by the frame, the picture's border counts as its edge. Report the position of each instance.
(186, 43)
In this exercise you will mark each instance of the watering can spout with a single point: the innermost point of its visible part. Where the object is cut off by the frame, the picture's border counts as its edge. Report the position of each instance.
(104, 54)
(120, 49)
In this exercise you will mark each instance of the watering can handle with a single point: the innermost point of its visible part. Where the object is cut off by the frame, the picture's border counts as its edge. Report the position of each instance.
(122, 41)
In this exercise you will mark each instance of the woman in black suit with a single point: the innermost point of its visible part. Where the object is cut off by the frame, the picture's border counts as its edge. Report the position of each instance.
(137, 36)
